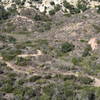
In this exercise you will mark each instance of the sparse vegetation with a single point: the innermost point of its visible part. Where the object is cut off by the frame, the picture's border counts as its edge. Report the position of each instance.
(36, 62)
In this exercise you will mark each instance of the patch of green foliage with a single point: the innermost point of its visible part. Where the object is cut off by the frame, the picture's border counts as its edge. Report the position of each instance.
(34, 78)
(10, 54)
(3, 13)
(52, 12)
(82, 5)
(22, 61)
(9, 39)
(85, 80)
(87, 51)
(67, 47)
(76, 61)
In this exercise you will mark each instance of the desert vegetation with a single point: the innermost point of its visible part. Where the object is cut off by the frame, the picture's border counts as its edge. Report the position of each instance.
(49, 55)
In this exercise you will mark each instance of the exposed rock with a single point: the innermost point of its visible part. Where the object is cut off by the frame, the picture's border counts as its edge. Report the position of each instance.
(93, 43)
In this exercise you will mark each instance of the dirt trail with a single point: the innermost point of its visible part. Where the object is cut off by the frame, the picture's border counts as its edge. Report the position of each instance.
(39, 53)
(34, 71)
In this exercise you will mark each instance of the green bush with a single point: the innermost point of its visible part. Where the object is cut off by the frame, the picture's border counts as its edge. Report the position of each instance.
(97, 28)
(37, 17)
(87, 51)
(52, 3)
(85, 80)
(30, 92)
(57, 7)
(76, 61)
(34, 78)
(69, 88)
(82, 5)
(19, 91)
(43, 26)
(21, 81)
(22, 61)
(71, 8)
(3, 13)
(52, 12)
(98, 11)
(67, 5)
(44, 97)
(41, 17)
(67, 47)
(49, 89)
(10, 54)
(8, 88)
(9, 39)
(66, 77)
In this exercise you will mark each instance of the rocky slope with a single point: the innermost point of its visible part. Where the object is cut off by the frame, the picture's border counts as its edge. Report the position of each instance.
(49, 57)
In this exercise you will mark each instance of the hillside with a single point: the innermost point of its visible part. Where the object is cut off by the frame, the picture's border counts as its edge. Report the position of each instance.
(51, 54)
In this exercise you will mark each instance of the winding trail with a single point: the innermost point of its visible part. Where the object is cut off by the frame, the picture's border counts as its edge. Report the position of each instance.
(39, 53)
(35, 71)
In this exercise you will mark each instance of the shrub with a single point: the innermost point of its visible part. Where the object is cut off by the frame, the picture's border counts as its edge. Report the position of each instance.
(85, 80)
(71, 8)
(86, 51)
(10, 54)
(57, 7)
(30, 92)
(5, 38)
(76, 61)
(7, 86)
(18, 2)
(49, 89)
(9, 28)
(82, 5)
(67, 5)
(41, 17)
(74, 10)
(67, 47)
(37, 17)
(21, 81)
(69, 77)
(19, 91)
(52, 3)
(97, 28)
(43, 26)
(34, 78)
(22, 61)
(69, 86)
(52, 12)
(44, 97)
(3, 13)
(98, 11)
